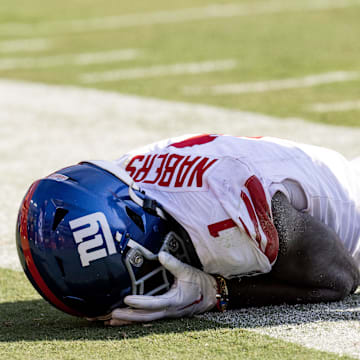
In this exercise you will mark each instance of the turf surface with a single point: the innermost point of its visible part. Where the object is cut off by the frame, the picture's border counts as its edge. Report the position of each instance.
(31, 329)
(265, 46)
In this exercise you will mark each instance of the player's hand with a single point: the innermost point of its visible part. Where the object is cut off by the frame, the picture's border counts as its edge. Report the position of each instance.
(193, 292)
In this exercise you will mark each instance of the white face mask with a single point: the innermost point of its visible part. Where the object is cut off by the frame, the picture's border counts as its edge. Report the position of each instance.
(138, 255)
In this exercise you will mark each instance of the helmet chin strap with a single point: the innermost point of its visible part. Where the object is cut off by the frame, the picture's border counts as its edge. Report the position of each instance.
(122, 175)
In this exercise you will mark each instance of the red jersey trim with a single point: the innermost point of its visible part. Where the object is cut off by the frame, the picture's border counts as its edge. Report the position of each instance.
(263, 213)
(195, 140)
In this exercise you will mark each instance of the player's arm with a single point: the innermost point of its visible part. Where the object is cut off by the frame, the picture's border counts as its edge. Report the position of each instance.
(312, 265)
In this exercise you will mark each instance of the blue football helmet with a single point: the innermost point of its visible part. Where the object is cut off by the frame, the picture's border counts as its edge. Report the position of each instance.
(87, 236)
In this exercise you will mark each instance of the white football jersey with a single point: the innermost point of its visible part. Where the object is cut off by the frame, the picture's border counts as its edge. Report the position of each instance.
(219, 188)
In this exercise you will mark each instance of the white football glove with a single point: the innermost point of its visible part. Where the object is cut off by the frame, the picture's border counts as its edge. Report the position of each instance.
(193, 292)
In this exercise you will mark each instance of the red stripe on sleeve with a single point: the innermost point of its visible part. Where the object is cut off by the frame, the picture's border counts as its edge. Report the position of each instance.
(263, 213)
(252, 217)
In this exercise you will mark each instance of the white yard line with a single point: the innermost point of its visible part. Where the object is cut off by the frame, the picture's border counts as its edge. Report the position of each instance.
(158, 70)
(45, 128)
(333, 327)
(335, 107)
(215, 11)
(273, 85)
(69, 59)
(25, 45)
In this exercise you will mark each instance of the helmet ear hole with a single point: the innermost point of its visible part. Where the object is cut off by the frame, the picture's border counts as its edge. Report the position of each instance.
(135, 218)
(59, 215)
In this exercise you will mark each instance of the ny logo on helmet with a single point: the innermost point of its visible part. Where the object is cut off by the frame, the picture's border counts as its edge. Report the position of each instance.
(88, 238)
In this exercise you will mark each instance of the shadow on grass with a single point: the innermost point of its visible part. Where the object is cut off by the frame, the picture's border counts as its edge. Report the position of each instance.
(34, 320)
(25, 318)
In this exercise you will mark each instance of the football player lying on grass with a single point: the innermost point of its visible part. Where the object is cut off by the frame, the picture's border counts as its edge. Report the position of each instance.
(189, 225)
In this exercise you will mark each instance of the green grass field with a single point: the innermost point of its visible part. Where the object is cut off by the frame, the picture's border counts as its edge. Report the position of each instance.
(266, 46)
(303, 53)
(31, 329)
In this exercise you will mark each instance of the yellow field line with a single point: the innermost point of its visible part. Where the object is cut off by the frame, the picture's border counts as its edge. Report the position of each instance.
(69, 59)
(25, 45)
(274, 85)
(335, 107)
(158, 70)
